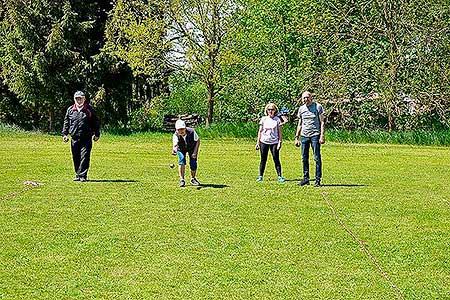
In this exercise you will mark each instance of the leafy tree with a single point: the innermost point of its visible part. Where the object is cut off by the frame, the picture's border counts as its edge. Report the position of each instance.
(48, 50)
(385, 48)
(157, 37)
(276, 53)
(199, 28)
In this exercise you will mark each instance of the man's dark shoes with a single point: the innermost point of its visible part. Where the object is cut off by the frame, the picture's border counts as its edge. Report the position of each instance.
(76, 178)
(305, 181)
(317, 183)
(83, 179)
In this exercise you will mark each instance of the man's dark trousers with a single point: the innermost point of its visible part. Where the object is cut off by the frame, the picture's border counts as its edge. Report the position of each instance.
(81, 155)
(314, 143)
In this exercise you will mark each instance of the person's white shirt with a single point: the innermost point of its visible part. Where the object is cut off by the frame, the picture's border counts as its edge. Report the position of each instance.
(269, 132)
(175, 138)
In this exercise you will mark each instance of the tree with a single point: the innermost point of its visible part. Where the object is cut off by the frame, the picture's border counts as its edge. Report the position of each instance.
(157, 37)
(385, 48)
(198, 29)
(50, 49)
(278, 51)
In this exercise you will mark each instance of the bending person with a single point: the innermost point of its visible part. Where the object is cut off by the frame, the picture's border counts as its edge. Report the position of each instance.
(186, 141)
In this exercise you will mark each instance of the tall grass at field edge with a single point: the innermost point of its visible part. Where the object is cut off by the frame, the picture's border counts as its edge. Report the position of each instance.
(417, 137)
(248, 130)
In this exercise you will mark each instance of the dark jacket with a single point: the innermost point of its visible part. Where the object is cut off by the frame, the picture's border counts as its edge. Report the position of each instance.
(189, 144)
(81, 124)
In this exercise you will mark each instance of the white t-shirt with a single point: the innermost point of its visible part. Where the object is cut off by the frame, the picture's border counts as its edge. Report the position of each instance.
(269, 132)
(175, 138)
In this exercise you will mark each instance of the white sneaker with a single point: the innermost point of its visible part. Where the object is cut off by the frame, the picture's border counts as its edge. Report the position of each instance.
(195, 182)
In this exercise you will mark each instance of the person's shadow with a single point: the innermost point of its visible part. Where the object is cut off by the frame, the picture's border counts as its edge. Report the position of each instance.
(112, 180)
(214, 186)
(345, 185)
(332, 184)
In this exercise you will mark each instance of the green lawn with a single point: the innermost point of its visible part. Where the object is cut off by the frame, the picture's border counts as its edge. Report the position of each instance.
(131, 233)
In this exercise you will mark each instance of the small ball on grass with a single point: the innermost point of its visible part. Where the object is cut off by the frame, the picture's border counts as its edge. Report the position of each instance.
(172, 166)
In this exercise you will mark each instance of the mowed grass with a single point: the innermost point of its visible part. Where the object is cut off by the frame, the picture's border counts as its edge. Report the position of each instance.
(131, 233)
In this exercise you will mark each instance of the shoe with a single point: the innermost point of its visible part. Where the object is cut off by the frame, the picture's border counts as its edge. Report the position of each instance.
(317, 183)
(281, 179)
(305, 181)
(83, 179)
(195, 182)
(182, 183)
(76, 178)
(259, 179)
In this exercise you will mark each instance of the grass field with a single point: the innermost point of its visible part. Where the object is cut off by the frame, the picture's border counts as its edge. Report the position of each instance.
(131, 233)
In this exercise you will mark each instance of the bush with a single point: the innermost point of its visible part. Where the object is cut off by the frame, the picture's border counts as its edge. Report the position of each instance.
(148, 117)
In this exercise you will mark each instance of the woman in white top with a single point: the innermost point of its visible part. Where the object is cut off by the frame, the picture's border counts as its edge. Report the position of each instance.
(270, 137)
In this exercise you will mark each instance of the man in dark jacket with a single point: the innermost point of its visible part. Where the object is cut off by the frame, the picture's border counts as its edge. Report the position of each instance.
(83, 125)
(186, 141)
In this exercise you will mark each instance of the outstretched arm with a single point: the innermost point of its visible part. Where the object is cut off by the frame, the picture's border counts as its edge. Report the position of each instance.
(297, 133)
(258, 138)
(280, 133)
(66, 126)
(195, 152)
(95, 125)
(322, 129)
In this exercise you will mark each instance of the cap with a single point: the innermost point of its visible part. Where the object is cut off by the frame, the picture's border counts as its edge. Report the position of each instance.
(180, 124)
(78, 94)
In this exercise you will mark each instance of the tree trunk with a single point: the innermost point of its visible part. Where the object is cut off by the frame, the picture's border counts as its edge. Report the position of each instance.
(210, 95)
(36, 117)
(50, 121)
(389, 19)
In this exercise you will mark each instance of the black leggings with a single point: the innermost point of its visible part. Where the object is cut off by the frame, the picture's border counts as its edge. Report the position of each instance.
(264, 148)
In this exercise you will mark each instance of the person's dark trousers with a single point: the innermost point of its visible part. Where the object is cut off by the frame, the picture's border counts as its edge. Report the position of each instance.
(312, 142)
(264, 148)
(81, 155)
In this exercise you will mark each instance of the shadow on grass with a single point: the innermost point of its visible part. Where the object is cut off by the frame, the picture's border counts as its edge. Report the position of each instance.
(344, 185)
(332, 184)
(214, 186)
(112, 180)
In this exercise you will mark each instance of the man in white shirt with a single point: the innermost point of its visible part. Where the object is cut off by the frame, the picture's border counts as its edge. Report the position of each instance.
(186, 141)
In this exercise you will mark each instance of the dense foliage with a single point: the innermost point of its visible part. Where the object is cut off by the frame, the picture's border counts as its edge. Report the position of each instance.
(380, 64)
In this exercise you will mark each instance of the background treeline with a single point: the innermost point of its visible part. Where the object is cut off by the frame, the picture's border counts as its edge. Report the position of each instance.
(378, 64)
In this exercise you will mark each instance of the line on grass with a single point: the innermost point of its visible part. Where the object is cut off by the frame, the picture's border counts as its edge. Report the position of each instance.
(363, 246)
(446, 201)
(29, 185)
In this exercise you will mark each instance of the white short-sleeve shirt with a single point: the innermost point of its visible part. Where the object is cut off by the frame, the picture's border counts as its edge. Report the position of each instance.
(269, 132)
(175, 138)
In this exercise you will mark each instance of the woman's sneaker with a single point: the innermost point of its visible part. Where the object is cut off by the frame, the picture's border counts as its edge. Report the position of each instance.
(182, 183)
(259, 179)
(195, 182)
(281, 179)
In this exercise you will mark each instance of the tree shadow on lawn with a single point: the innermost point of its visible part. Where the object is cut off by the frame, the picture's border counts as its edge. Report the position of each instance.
(332, 184)
(112, 180)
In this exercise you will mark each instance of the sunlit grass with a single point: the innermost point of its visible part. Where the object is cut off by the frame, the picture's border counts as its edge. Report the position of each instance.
(131, 233)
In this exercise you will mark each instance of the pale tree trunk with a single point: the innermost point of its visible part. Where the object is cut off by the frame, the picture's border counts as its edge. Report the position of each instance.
(210, 98)
(389, 19)
(50, 120)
